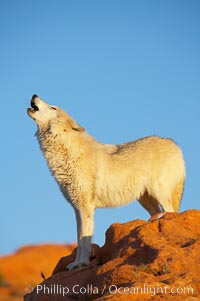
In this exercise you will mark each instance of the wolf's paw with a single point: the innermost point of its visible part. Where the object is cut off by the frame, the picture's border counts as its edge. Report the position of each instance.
(160, 215)
(76, 265)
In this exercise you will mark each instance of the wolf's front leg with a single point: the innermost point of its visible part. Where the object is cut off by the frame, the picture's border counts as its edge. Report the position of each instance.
(85, 228)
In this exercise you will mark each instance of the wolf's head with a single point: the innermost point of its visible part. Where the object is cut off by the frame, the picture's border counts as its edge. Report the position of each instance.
(47, 116)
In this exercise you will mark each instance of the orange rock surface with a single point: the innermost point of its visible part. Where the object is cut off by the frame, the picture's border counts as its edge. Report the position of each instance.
(21, 271)
(141, 260)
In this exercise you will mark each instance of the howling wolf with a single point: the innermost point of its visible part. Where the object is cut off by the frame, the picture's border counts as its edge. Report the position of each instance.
(94, 175)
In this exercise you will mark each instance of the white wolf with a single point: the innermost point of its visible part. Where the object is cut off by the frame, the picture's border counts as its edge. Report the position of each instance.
(94, 175)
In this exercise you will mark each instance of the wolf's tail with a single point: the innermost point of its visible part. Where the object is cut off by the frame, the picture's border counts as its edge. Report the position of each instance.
(177, 194)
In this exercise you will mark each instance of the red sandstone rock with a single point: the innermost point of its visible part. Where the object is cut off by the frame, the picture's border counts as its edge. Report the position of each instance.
(153, 260)
(21, 271)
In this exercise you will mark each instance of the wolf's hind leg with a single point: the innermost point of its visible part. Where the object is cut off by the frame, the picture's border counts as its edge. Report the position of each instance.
(150, 204)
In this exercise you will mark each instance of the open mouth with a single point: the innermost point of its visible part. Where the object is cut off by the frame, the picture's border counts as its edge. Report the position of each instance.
(33, 106)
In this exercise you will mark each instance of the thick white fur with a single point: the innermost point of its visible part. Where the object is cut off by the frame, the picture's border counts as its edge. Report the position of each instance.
(93, 175)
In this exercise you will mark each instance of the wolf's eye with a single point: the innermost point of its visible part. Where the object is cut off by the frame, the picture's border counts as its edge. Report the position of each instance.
(54, 108)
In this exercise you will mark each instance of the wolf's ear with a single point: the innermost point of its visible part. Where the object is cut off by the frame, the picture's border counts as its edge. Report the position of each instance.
(75, 126)
(78, 128)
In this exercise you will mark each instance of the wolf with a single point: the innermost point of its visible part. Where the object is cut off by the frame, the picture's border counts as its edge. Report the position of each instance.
(94, 175)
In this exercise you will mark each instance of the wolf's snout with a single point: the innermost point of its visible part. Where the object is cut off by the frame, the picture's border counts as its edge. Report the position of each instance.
(34, 96)
(33, 105)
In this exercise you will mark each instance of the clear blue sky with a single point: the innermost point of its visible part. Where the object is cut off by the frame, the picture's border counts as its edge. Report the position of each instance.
(122, 69)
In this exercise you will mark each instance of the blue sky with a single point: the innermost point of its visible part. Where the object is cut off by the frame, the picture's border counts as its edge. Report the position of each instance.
(122, 69)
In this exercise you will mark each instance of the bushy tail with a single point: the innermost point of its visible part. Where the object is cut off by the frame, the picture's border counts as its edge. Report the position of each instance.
(177, 194)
